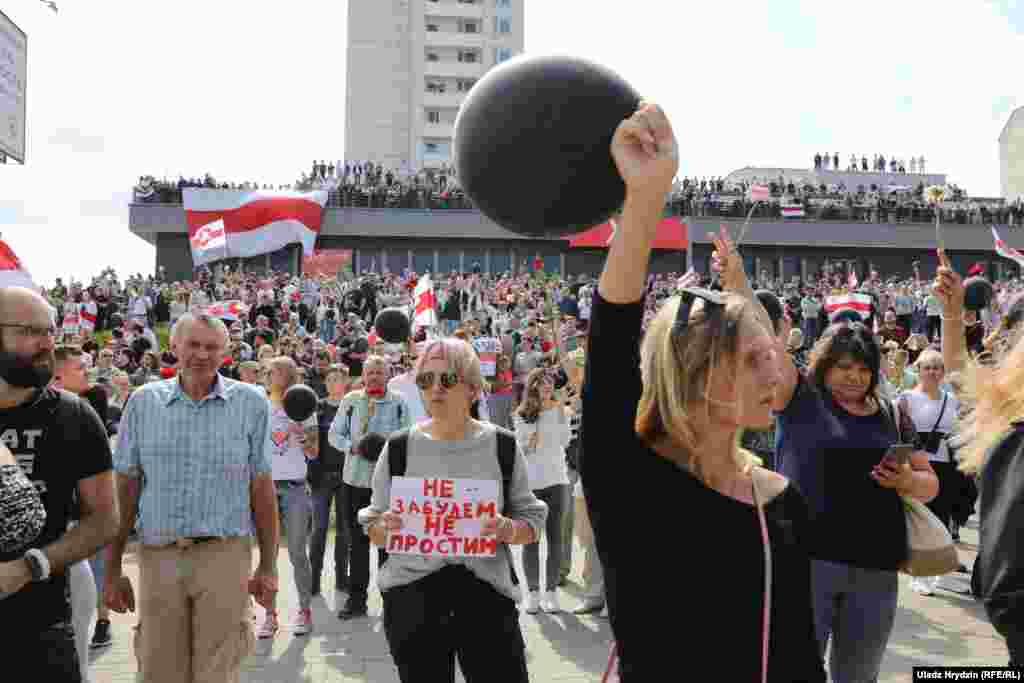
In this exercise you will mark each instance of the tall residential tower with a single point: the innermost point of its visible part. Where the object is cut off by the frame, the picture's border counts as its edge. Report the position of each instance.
(410, 65)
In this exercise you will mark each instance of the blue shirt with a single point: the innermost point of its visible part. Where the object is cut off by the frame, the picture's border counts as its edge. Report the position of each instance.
(389, 415)
(195, 459)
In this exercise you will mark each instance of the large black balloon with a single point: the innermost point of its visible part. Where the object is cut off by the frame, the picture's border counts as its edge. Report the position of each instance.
(392, 325)
(977, 293)
(533, 144)
(299, 402)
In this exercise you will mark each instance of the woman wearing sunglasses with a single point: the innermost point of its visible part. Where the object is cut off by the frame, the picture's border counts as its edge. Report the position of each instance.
(437, 607)
(661, 470)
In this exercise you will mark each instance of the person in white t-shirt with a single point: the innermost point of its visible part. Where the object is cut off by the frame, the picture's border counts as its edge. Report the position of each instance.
(934, 409)
(292, 445)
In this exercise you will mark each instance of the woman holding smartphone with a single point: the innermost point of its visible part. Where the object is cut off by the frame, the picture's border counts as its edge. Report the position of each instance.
(834, 431)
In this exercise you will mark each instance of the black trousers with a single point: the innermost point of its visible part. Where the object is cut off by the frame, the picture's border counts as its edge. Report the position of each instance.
(355, 499)
(452, 613)
(949, 491)
(51, 652)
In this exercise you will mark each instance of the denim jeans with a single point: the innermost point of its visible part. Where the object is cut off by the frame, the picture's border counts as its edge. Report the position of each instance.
(296, 511)
(554, 497)
(323, 496)
(856, 607)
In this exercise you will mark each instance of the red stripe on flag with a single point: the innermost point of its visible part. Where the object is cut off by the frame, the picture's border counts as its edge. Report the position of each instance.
(258, 213)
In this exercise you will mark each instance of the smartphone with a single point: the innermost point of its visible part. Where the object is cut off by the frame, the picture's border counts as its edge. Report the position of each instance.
(898, 454)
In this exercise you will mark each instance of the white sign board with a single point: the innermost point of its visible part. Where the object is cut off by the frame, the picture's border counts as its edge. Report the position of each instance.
(443, 517)
(13, 70)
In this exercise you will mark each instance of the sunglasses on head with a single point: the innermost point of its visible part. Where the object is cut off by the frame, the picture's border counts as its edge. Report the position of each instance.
(713, 300)
(425, 380)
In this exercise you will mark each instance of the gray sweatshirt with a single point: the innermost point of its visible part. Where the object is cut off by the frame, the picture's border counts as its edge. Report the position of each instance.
(473, 458)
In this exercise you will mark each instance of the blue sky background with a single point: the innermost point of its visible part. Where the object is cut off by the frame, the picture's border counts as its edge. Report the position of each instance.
(256, 91)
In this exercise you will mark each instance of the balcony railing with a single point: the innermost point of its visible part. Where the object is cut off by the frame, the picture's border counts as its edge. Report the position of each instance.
(815, 209)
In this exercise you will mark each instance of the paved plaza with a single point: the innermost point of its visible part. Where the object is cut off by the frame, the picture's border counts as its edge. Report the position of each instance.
(946, 629)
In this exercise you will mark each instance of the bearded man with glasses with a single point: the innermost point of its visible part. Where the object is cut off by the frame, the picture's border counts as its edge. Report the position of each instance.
(42, 426)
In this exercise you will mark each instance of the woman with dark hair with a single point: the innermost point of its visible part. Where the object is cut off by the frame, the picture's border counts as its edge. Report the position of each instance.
(834, 428)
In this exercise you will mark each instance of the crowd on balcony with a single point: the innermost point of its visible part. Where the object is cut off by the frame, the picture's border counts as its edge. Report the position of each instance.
(879, 164)
(719, 197)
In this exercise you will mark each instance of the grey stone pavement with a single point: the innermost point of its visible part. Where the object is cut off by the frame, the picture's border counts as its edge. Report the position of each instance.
(945, 629)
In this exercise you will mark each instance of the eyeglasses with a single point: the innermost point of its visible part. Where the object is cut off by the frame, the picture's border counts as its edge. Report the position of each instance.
(714, 300)
(425, 380)
(33, 330)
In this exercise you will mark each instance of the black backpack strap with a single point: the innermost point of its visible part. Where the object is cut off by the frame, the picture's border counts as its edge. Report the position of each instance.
(398, 452)
(506, 461)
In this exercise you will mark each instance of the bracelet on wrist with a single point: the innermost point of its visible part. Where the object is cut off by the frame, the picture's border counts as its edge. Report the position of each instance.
(951, 318)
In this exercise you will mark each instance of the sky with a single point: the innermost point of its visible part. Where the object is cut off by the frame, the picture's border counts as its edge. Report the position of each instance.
(255, 91)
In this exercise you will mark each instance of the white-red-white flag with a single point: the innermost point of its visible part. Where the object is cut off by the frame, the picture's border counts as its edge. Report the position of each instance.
(1006, 251)
(854, 301)
(240, 223)
(12, 273)
(424, 303)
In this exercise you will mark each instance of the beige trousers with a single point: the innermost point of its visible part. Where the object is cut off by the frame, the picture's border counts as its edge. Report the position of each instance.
(593, 574)
(194, 614)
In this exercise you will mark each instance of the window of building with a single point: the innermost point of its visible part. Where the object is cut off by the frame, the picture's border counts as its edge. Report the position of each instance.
(468, 26)
(433, 116)
(432, 28)
(502, 25)
(502, 3)
(430, 146)
(466, 2)
(465, 84)
(502, 54)
(468, 56)
(432, 57)
(436, 87)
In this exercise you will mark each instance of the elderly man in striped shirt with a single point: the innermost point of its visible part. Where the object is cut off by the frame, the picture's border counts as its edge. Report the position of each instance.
(193, 461)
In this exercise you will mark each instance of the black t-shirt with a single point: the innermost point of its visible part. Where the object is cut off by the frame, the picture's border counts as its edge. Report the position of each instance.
(56, 450)
(330, 458)
(729, 581)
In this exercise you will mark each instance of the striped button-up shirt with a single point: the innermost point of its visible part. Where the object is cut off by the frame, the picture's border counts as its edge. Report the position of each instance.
(195, 459)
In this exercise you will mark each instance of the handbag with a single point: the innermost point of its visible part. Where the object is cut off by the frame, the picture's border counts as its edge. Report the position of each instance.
(611, 673)
(930, 548)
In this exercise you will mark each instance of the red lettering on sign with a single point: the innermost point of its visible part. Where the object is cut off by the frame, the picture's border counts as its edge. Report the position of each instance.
(488, 546)
(409, 541)
(414, 509)
(432, 525)
(426, 546)
(430, 487)
(488, 509)
(467, 510)
(442, 546)
(395, 543)
(470, 545)
(447, 488)
(449, 527)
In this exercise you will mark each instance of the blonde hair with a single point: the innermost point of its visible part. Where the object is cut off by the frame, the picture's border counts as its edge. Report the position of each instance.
(676, 370)
(461, 358)
(993, 395)
(265, 353)
(926, 356)
(288, 364)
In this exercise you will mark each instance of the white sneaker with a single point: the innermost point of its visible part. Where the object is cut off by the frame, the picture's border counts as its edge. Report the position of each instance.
(550, 603)
(531, 603)
(303, 623)
(604, 612)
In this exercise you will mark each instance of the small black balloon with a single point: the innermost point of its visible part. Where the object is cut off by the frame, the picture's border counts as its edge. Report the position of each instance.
(977, 293)
(392, 325)
(299, 402)
(547, 121)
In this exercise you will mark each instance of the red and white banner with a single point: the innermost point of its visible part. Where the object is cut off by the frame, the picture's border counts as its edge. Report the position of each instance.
(855, 301)
(227, 310)
(759, 193)
(239, 223)
(1006, 251)
(327, 262)
(488, 349)
(425, 303)
(12, 273)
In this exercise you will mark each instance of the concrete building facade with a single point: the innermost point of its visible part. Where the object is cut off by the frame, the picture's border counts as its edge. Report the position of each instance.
(411, 64)
(1011, 157)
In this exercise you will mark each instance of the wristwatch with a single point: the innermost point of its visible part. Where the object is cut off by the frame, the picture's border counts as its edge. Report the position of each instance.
(38, 564)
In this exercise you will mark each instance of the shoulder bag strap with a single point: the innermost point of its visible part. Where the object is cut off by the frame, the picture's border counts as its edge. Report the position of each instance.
(942, 411)
(766, 618)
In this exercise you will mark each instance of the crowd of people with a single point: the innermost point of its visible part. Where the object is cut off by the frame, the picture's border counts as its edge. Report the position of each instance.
(610, 410)
(878, 163)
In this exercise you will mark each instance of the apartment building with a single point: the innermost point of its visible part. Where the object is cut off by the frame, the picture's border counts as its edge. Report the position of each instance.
(1011, 157)
(410, 65)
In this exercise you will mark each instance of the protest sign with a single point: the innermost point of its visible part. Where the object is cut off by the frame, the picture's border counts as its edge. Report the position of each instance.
(488, 349)
(443, 517)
